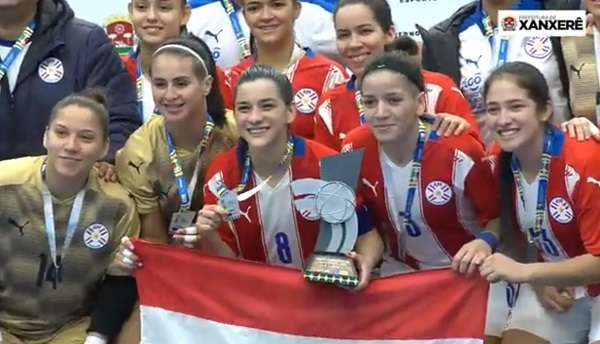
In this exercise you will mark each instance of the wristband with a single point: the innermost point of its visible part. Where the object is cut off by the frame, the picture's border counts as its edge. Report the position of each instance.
(489, 239)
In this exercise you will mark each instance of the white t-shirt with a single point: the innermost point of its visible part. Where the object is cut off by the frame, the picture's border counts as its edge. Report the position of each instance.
(13, 70)
(209, 21)
(478, 58)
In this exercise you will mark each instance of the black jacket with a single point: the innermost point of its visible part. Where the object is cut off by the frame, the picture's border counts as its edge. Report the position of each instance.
(441, 44)
(88, 59)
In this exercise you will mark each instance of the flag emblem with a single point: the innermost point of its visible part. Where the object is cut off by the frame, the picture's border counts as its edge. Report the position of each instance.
(51, 70)
(438, 192)
(561, 210)
(538, 47)
(306, 100)
(96, 236)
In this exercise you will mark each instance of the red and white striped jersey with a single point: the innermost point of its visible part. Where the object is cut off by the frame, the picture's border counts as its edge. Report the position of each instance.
(271, 230)
(571, 225)
(455, 198)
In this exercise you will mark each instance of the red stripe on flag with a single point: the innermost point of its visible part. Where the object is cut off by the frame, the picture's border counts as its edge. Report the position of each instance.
(418, 306)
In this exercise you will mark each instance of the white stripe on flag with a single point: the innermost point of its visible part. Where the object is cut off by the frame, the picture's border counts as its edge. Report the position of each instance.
(228, 301)
(160, 326)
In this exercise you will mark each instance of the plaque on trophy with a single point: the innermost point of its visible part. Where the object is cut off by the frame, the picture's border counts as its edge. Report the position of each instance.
(332, 201)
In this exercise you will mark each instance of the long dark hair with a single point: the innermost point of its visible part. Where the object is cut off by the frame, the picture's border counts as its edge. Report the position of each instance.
(284, 90)
(530, 79)
(214, 100)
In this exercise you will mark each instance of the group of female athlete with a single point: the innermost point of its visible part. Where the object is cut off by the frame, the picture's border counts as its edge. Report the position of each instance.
(520, 213)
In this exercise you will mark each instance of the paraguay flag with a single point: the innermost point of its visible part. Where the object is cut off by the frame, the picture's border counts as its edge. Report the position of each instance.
(190, 298)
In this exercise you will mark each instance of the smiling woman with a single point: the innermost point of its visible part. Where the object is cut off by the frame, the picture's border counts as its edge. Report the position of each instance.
(271, 24)
(154, 22)
(268, 160)
(163, 162)
(60, 225)
(548, 188)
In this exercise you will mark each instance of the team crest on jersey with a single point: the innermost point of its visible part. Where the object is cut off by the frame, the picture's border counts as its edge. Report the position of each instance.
(560, 210)
(438, 192)
(538, 47)
(51, 70)
(96, 236)
(306, 100)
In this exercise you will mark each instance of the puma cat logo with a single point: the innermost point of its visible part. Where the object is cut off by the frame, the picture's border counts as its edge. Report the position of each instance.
(136, 167)
(245, 214)
(19, 227)
(165, 193)
(474, 62)
(593, 181)
(577, 71)
(373, 187)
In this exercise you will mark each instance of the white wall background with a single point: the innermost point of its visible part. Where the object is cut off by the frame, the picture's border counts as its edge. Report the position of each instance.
(406, 12)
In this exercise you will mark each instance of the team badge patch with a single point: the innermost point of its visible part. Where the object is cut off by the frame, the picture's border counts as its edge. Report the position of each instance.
(51, 70)
(538, 47)
(306, 100)
(560, 210)
(96, 236)
(438, 193)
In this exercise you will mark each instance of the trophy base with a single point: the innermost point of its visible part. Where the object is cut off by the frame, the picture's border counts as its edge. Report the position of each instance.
(331, 268)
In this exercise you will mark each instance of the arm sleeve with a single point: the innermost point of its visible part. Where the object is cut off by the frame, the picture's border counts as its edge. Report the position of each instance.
(587, 208)
(132, 165)
(128, 226)
(480, 185)
(323, 129)
(214, 176)
(106, 70)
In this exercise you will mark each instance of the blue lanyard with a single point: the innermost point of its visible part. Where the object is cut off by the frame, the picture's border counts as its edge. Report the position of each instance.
(237, 28)
(415, 172)
(358, 99)
(74, 217)
(488, 31)
(245, 177)
(16, 49)
(183, 188)
(544, 174)
(139, 84)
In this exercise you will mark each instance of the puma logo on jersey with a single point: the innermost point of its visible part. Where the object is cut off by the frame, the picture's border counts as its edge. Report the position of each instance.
(373, 187)
(474, 62)
(19, 227)
(214, 36)
(593, 181)
(577, 70)
(134, 166)
(165, 193)
(245, 213)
